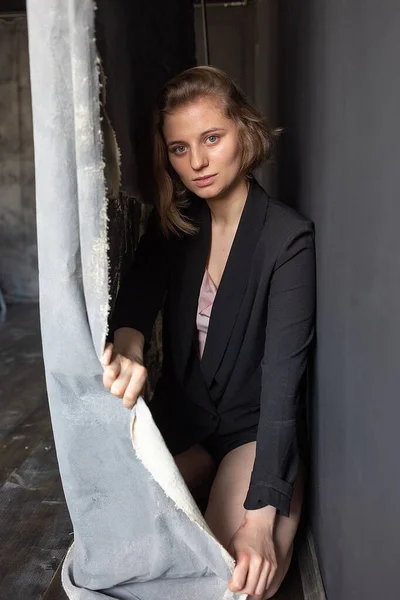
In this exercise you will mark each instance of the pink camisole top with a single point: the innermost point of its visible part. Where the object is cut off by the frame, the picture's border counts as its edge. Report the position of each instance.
(207, 294)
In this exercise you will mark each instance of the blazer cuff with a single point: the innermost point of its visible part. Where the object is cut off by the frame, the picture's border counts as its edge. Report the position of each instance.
(262, 493)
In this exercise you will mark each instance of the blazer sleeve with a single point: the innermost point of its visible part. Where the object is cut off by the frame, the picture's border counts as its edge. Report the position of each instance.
(289, 331)
(142, 290)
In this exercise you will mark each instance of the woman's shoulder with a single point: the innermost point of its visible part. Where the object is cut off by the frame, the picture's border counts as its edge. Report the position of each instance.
(280, 218)
(287, 219)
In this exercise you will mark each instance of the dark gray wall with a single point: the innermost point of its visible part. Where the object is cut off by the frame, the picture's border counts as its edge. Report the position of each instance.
(340, 99)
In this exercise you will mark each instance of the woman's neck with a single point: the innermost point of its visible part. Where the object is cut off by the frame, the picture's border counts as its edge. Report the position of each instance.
(227, 209)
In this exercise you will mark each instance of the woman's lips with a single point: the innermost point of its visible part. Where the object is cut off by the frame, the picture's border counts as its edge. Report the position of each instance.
(205, 181)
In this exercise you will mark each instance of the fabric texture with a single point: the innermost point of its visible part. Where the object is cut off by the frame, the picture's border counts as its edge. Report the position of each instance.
(138, 533)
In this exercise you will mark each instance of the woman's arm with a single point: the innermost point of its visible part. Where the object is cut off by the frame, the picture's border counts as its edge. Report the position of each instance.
(290, 329)
(139, 299)
(130, 343)
(143, 288)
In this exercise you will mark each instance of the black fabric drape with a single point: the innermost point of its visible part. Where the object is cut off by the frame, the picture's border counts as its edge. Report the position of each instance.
(141, 46)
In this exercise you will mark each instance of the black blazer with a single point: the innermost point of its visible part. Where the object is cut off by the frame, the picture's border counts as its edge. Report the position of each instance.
(261, 325)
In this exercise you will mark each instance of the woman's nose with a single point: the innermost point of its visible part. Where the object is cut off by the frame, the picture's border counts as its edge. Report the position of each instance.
(198, 159)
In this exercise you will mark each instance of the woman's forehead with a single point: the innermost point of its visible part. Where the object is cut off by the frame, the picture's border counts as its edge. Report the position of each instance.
(195, 118)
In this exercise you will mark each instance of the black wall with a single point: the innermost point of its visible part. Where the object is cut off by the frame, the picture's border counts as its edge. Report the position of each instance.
(340, 101)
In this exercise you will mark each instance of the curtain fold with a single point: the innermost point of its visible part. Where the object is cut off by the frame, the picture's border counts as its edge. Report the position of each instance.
(138, 533)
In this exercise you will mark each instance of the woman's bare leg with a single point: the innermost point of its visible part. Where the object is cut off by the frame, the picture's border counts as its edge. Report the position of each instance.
(225, 510)
(198, 469)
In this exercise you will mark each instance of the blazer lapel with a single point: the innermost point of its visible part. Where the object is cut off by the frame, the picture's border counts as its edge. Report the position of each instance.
(234, 279)
(194, 254)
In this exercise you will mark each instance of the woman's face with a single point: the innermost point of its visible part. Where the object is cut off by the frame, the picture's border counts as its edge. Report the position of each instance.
(203, 147)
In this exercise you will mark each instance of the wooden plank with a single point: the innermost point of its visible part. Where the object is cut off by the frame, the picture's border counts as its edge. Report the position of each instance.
(310, 573)
(22, 323)
(55, 591)
(23, 395)
(34, 520)
(22, 383)
(22, 440)
(35, 524)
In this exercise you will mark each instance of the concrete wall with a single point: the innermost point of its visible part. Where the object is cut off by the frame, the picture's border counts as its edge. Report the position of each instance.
(18, 251)
(231, 46)
(340, 100)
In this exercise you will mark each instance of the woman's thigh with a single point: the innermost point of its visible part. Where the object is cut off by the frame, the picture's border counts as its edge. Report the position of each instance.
(225, 511)
(198, 469)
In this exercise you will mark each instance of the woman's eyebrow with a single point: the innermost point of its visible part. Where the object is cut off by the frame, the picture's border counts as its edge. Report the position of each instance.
(208, 131)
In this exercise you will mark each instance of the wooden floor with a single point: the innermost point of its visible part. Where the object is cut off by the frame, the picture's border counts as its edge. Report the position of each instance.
(35, 529)
(35, 526)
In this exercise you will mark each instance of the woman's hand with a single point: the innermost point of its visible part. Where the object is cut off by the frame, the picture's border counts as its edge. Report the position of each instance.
(124, 374)
(253, 548)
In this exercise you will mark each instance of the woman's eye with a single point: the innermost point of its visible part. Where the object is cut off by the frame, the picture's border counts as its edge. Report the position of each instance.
(179, 149)
(212, 138)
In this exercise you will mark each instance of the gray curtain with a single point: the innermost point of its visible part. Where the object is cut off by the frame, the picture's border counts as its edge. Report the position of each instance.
(138, 533)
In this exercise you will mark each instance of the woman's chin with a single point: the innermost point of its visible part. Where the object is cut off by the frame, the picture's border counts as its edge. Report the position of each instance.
(208, 192)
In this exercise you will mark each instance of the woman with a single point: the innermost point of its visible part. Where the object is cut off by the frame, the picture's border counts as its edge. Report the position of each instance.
(233, 271)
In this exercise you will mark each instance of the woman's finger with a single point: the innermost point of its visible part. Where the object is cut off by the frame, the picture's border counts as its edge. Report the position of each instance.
(254, 572)
(239, 576)
(111, 373)
(271, 574)
(262, 585)
(121, 382)
(107, 354)
(135, 386)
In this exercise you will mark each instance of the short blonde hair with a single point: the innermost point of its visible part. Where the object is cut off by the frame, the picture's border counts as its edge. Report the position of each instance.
(256, 137)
